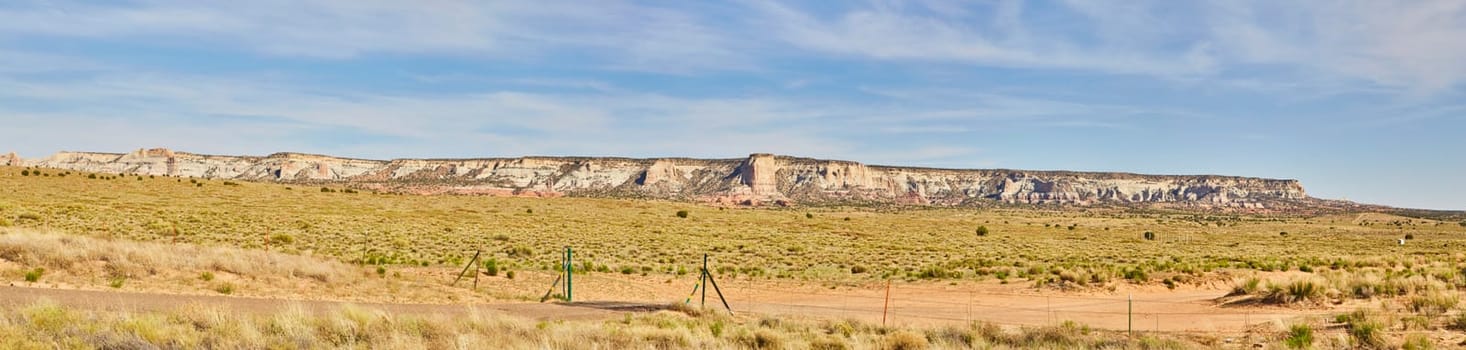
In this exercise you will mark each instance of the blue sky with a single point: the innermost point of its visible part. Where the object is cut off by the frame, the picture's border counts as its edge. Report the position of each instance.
(1361, 100)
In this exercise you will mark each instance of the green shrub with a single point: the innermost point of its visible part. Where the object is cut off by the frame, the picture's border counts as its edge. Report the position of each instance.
(492, 267)
(682, 214)
(857, 269)
(28, 173)
(1300, 336)
(509, 274)
(381, 271)
(1364, 332)
(982, 231)
(206, 276)
(1293, 292)
(116, 282)
(34, 275)
(281, 238)
(1137, 275)
(225, 288)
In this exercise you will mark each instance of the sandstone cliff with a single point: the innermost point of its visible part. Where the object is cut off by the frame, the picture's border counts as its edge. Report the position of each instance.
(758, 179)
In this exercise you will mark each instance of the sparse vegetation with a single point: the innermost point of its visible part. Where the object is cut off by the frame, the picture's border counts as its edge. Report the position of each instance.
(982, 231)
(43, 325)
(1300, 336)
(34, 275)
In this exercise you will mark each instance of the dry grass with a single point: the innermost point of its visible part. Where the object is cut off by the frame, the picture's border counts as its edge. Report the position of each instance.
(46, 325)
(87, 262)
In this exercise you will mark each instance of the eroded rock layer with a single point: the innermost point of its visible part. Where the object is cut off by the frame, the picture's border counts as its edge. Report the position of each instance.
(758, 179)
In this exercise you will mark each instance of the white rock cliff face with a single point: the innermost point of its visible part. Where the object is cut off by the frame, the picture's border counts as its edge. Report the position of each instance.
(758, 179)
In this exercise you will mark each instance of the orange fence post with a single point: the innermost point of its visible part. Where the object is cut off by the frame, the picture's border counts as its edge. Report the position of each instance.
(886, 309)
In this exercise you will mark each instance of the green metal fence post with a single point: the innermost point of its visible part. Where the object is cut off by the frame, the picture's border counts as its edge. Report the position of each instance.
(569, 270)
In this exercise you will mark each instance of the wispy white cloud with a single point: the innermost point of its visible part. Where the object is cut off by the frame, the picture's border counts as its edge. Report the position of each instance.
(992, 37)
(1414, 45)
(626, 35)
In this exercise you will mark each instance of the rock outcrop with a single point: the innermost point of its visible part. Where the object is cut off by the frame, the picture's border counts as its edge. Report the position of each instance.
(758, 179)
(10, 159)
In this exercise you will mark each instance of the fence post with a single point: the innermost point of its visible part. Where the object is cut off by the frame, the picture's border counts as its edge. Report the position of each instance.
(569, 271)
(886, 309)
(704, 282)
(1130, 315)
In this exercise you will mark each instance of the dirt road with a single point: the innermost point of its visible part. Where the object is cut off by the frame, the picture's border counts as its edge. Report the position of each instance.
(912, 304)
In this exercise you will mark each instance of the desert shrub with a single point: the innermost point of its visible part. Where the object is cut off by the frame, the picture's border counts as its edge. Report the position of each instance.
(828, 343)
(1433, 304)
(906, 340)
(327, 190)
(509, 274)
(381, 271)
(1284, 233)
(808, 215)
(982, 230)
(206, 276)
(281, 238)
(34, 274)
(761, 338)
(1417, 341)
(1300, 336)
(224, 288)
(1416, 322)
(1459, 322)
(1294, 291)
(1245, 287)
(28, 173)
(1149, 236)
(116, 282)
(627, 270)
(1137, 275)
(520, 251)
(492, 267)
(682, 214)
(1409, 236)
(1364, 331)
(857, 269)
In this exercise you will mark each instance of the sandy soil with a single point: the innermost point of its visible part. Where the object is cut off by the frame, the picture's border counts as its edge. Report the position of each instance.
(606, 295)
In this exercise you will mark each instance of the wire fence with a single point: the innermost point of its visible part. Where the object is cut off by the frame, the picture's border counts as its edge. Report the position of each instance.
(911, 305)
